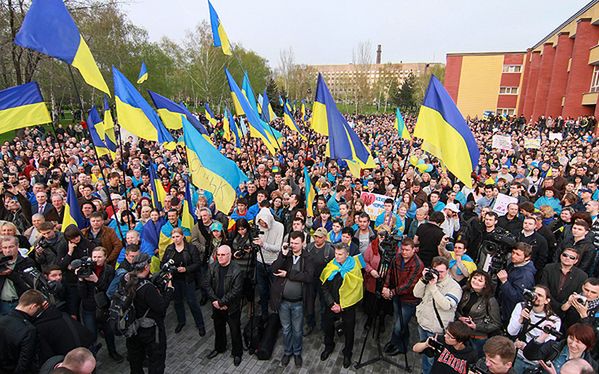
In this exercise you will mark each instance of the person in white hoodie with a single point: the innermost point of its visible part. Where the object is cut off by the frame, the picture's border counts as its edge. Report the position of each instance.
(270, 241)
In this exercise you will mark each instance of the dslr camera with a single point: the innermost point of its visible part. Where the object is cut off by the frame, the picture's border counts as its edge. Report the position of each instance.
(161, 279)
(429, 275)
(529, 298)
(4, 260)
(85, 265)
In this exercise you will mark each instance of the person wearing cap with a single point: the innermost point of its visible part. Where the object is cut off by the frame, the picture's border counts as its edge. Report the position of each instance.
(150, 308)
(586, 195)
(505, 174)
(451, 224)
(320, 252)
(549, 199)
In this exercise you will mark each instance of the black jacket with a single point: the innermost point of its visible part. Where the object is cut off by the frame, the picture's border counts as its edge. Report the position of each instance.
(550, 277)
(305, 275)
(536, 351)
(16, 276)
(540, 250)
(149, 299)
(586, 249)
(84, 248)
(191, 259)
(18, 344)
(88, 290)
(52, 248)
(59, 333)
(233, 286)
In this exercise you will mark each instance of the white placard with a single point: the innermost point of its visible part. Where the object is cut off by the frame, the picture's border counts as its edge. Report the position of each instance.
(374, 204)
(501, 203)
(532, 143)
(555, 136)
(502, 142)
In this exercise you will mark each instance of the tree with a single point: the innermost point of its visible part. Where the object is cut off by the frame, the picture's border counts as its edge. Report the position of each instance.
(407, 95)
(438, 70)
(362, 80)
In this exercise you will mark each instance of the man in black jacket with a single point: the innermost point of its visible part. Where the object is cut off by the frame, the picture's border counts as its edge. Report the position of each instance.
(150, 310)
(223, 285)
(12, 282)
(290, 292)
(540, 250)
(18, 338)
(49, 245)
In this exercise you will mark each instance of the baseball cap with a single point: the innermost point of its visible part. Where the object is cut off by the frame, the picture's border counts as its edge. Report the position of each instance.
(216, 226)
(321, 231)
(453, 207)
(585, 190)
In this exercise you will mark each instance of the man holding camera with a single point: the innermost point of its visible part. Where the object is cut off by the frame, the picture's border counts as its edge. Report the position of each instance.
(500, 353)
(586, 304)
(518, 276)
(290, 292)
(150, 310)
(440, 296)
(12, 283)
(49, 245)
(407, 270)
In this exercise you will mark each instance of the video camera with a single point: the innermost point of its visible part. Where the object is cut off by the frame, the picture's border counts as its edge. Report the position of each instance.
(494, 251)
(161, 279)
(51, 289)
(85, 265)
(250, 248)
(388, 246)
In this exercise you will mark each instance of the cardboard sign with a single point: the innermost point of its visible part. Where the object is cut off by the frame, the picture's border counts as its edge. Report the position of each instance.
(532, 143)
(501, 203)
(374, 204)
(555, 136)
(502, 142)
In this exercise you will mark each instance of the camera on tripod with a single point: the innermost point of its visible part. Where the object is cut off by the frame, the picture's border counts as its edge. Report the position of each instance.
(497, 247)
(250, 248)
(85, 265)
(388, 246)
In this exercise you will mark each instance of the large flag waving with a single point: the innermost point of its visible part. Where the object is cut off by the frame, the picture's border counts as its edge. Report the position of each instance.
(209, 114)
(400, 126)
(247, 90)
(210, 170)
(188, 217)
(49, 29)
(268, 114)
(109, 135)
(72, 212)
(446, 134)
(94, 122)
(344, 143)
(22, 106)
(290, 121)
(310, 193)
(218, 32)
(135, 114)
(235, 130)
(170, 113)
(143, 73)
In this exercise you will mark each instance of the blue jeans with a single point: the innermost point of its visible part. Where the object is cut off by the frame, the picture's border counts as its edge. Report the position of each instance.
(292, 321)
(187, 291)
(400, 337)
(264, 278)
(427, 362)
(88, 318)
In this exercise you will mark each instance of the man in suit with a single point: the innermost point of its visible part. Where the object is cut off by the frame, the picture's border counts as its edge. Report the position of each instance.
(41, 206)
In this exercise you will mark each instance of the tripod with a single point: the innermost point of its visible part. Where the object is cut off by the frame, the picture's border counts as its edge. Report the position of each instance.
(384, 267)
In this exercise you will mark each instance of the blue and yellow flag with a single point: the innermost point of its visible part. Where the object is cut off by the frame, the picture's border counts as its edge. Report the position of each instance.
(344, 143)
(303, 110)
(49, 29)
(135, 114)
(400, 126)
(268, 115)
(290, 122)
(143, 73)
(158, 193)
(352, 286)
(209, 114)
(218, 32)
(281, 102)
(188, 217)
(109, 135)
(210, 170)
(259, 103)
(310, 193)
(93, 122)
(258, 128)
(227, 133)
(247, 90)
(446, 134)
(170, 113)
(22, 106)
(234, 130)
(72, 212)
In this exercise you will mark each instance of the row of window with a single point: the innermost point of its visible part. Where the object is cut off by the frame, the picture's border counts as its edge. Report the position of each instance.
(508, 90)
(512, 68)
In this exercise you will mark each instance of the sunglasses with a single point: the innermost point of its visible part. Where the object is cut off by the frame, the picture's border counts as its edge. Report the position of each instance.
(569, 256)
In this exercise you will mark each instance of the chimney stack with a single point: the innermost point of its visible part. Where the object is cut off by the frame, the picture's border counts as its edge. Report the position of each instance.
(378, 54)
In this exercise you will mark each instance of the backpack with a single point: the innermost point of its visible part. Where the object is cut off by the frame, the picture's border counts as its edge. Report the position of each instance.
(122, 315)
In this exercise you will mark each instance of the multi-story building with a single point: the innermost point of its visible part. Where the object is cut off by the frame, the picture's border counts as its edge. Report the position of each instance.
(558, 76)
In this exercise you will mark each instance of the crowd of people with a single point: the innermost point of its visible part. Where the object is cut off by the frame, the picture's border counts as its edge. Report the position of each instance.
(502, 277)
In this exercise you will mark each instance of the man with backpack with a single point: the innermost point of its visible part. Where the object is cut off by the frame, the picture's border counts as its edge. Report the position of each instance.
(144, 329)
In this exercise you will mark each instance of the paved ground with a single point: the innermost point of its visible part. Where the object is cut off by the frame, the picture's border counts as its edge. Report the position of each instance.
(187, 351)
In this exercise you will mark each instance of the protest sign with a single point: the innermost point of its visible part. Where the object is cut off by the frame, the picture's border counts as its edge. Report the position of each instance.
(502, 142)
(501, 203)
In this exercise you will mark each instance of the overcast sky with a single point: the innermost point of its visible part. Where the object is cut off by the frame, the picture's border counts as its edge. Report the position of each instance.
(326, 31)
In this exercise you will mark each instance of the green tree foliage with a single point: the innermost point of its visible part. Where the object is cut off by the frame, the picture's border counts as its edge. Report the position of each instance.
(406, 95)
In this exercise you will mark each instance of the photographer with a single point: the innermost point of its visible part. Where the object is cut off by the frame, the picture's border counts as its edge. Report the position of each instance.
(12, 282)
(585, 305)
(518, 276)
(50, 244)
(528, 321)
(460, 264)
(479, 309)
(93, 283)
(244, 256)
(580, 340)
(407, 269)
(150, 310)
(452, 351)
(53, 276)
(186, 262)
(440, 296)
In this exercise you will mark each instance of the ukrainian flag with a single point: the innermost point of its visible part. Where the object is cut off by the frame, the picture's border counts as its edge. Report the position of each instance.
(158, 192)
(109, 136)
(303, 110)
(72, 212)
(290, 122)
(93, 123)
(281, 102)
(188, 217)
(210, 170)
(209, 114)
(259, 103)
(170, 113)
(135, 114)
(49, 29)
(267, 115)
(258, 128)
(226, 126)
(352, 285)
(143, 73)
(445, 133)
(247, 90)
(218, 32)
(310, 193)
(235, 130)
(22, 106)
(400, 126)
(344, 143)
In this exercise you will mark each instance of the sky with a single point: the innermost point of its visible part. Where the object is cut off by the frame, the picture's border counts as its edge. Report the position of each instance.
(327, 31)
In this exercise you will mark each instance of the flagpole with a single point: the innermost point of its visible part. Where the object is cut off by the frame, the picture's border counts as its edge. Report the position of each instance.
(96, 154)
(120, 141)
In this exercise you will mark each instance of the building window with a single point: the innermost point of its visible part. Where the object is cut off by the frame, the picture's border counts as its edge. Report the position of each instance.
(506, 111)
(595, 80)
(512, 68)
(508, 90)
